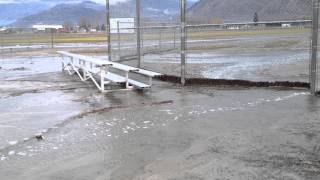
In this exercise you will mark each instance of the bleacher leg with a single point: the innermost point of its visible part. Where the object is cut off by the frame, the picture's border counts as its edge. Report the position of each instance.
(150, 81)
(103, 73)
(127, 80)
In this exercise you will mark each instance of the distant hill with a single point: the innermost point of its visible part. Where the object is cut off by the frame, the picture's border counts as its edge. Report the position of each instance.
(9, 13)
(243, 10)
(62, 13)
(158, 11)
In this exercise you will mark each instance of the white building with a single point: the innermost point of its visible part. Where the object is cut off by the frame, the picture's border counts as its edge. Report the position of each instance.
(286, 25)
(93, 30)
(126, 25)
(46, 27)
(3, 29)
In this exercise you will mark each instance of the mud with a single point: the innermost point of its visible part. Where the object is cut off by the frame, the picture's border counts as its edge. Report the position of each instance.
(226, 82)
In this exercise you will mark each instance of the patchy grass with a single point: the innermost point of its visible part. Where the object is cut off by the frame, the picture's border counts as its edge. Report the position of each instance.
(209, 47)
(281, 43)
(37, 38)
(204, 34)
(80, 39)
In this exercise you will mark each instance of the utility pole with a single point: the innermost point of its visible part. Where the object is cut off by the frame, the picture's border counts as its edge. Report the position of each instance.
(314, 54)
(52, 38)
(138, 30)
(108, 28)
(183, 41)
(119, 40)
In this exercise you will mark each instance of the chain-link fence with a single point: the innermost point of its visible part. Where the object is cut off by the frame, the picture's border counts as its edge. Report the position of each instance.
(29, 40)
(316, 62)
(159, 45)
(269, 48)
(270, 51)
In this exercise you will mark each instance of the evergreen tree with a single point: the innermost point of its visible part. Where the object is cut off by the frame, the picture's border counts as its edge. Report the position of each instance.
(256, 17)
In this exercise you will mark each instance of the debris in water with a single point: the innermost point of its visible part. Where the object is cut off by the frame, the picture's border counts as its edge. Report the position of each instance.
(22, 154)
(109, 124)
(18, 69)
(39, 137)
(13, 142)
(10, 153)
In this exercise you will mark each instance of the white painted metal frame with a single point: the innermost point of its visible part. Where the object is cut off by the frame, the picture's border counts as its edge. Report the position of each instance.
(87, 71)
(86, 67)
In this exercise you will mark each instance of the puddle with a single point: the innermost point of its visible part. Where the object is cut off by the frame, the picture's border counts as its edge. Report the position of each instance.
(234, 65)
(26, 115)
(246, 65)
(12, 68)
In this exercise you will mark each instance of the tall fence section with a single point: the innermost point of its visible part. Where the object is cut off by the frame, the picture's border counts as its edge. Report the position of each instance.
(267, 49)
(314, 64)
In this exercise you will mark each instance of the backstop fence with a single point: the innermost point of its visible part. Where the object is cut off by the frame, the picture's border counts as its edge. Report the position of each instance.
(269, 49)
(314, 63)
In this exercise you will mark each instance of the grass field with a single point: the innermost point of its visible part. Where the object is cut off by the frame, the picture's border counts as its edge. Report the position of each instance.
(205, 33)
(37, 38)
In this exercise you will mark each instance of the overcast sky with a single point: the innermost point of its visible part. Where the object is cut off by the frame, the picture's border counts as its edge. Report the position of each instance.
(56, 1)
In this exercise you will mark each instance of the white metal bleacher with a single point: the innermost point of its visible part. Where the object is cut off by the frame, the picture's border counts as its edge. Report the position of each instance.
(88, 68)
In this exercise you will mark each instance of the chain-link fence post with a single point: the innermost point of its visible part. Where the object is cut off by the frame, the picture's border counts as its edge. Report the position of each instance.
(138, 32)
(108, 28)
(160, 39)
(174, 38)
(52, 37)
(142, 42)
(119, 39)
(314, 54)
(183, 41)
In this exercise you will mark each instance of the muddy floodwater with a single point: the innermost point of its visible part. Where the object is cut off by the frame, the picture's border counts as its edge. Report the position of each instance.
(169, 132)
(254, 66)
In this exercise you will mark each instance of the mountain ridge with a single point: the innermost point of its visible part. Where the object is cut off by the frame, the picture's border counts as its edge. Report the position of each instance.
(162, 11)
(205, 11)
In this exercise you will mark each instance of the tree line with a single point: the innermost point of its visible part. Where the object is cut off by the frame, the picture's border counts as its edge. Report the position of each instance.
(83, 24)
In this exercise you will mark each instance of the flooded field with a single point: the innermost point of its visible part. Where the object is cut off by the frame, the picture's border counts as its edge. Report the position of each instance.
(25, 66)
(53, 126)
(247, 66)
(169, 132)
(31, 106)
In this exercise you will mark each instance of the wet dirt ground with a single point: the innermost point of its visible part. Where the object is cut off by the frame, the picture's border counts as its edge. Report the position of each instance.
(169, 132)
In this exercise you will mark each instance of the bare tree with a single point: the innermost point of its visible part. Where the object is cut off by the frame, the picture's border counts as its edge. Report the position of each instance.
(67, 25)
(84, 23)
(255, 17)
(103, 27)
(216, 20)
